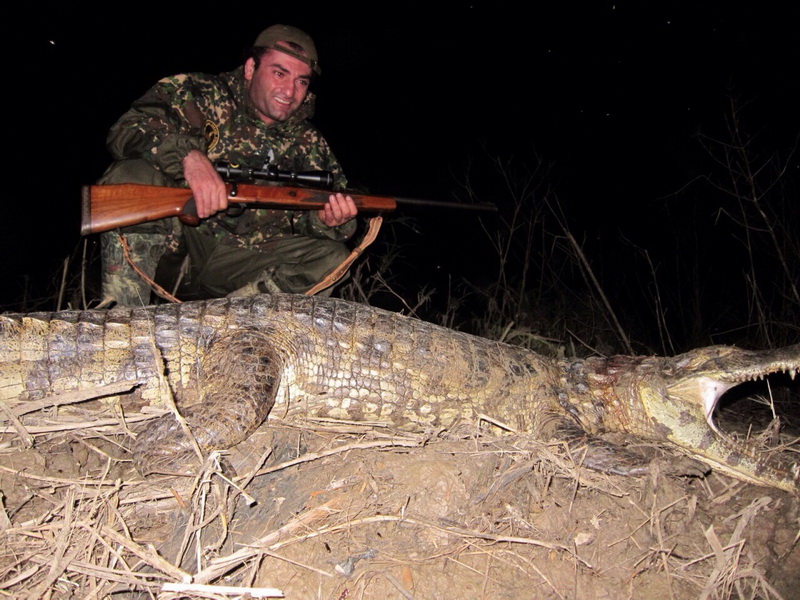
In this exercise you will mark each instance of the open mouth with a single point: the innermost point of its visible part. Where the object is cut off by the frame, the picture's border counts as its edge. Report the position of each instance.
(769, 403)
(728, 377)
(753, 415)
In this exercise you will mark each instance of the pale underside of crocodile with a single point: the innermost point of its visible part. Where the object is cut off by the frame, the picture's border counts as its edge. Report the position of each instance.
(228, 363)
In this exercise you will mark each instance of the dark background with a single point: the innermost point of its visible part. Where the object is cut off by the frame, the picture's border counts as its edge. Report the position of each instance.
(611, 101)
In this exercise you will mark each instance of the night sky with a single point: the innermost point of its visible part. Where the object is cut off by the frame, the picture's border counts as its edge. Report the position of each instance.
(613, 98)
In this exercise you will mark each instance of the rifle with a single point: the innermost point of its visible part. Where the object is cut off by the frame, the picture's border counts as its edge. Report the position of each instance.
(106, 207)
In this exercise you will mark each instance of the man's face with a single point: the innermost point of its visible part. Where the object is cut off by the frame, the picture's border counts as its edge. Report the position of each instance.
(278, 86)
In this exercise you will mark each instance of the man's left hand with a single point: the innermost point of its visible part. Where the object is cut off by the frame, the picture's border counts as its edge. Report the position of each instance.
(339, 210)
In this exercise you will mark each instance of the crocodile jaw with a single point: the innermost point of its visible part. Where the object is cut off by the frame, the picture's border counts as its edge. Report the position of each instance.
(711, 390)
(682, 409)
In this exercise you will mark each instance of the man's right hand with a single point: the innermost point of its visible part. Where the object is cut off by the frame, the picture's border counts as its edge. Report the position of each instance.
(210, 194)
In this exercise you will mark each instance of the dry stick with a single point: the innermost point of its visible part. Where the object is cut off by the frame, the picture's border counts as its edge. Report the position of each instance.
(751, 573)
(111, 389)
(532, 566)
(421, 523)
(98, 426)
(496, 423)
(201, 521)
(24, 434)
(646, 521)
(181, 274)
(663, 553)
(245, 480)
(109, 575)
(755, 198)
(599, 289)
(54, 480)
(661, 320)
(338, 450)
(5, 522)
(63, 285)
(488, 554)
(42, 522)
(192, 528)
(694, 561)
(457, 552)
(93, 545)
(324, 422)
(57, 559)
(19, 578)
(129, 579)
(398, 586)
(83, 274)
(170, 401)
(736, 540)
(250, 500)
(294, 562)
(251, 572)
(99, 451)
(30, 556)
(219, 566)
(718, 576)
(116, 556)
(148, 555)
(198, 521)
(223, 590)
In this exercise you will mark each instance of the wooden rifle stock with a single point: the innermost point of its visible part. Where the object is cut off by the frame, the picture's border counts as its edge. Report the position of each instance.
(106, 207)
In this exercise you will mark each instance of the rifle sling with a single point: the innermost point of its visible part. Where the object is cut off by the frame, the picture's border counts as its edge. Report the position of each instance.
(338, 272)
(160, 291)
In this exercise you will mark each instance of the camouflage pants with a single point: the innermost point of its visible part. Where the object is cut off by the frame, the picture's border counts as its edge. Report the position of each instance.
(293, 264)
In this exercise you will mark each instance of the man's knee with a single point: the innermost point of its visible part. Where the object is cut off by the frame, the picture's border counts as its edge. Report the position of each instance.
(329, 254)
(306, 266)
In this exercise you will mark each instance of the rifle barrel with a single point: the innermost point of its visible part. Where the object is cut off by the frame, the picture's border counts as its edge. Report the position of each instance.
(443, 204)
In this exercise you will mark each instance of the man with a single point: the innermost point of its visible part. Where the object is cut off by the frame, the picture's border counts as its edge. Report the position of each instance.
(252, 116)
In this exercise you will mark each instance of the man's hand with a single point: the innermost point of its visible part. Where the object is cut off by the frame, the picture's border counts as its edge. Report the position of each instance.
(210, 195)
(339, 210)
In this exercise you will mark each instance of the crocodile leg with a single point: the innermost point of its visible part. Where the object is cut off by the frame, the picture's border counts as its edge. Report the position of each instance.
(595, 453)
(237, 381)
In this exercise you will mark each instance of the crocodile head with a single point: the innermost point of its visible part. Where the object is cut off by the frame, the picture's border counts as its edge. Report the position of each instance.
(679, 396)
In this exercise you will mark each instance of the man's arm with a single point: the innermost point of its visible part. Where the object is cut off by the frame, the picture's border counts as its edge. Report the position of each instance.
(163, 126)
(208, 189)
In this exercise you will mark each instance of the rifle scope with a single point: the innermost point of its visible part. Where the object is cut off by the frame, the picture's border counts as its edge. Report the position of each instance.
(272, 173)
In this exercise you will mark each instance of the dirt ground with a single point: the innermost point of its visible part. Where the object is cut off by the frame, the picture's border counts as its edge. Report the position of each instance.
(335, 511)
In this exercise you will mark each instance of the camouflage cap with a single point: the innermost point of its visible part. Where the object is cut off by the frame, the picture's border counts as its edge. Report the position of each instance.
(272, 36)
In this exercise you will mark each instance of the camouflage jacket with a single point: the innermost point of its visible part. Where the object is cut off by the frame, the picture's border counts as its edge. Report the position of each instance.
(214, 114)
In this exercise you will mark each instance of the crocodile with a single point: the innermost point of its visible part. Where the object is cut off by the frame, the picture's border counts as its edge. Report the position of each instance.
(229, 363)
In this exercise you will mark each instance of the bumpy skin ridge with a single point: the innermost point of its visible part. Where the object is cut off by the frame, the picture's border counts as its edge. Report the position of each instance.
(229, 362)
